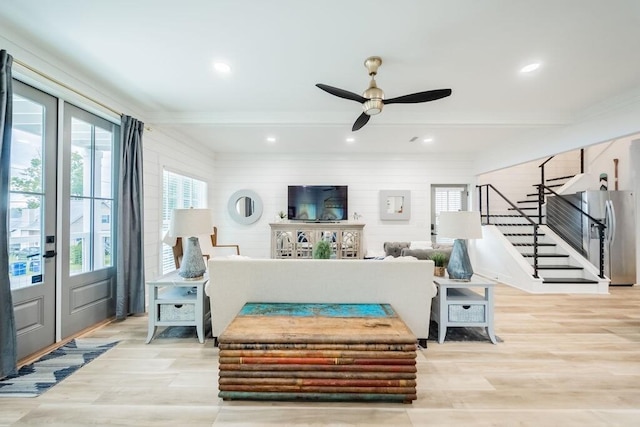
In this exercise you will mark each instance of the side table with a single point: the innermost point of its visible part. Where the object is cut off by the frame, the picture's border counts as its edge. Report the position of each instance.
(174, 301)
(458, 305)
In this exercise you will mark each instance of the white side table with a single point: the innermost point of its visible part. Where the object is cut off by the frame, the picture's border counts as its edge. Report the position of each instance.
(458, 305)
(174, 301)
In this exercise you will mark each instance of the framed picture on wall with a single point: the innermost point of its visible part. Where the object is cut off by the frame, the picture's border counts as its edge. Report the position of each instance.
(395, 205)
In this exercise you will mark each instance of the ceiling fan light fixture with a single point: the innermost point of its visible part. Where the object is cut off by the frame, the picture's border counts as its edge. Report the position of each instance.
(372, 106)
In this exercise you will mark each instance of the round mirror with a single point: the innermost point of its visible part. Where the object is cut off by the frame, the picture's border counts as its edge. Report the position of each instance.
(245, 206)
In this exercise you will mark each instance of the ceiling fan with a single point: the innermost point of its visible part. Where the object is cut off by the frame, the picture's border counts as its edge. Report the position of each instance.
(372, 99)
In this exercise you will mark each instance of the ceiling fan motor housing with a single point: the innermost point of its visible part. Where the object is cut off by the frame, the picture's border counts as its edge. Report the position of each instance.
(374, 96)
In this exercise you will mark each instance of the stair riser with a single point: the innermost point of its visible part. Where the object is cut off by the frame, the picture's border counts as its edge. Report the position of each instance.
(549, 261)
(563, 274)
(541, 249)
(513, 221)
(525, 239)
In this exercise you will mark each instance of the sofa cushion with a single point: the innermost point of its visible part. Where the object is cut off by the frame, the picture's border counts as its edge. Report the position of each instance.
(421, 244)
(425, 254)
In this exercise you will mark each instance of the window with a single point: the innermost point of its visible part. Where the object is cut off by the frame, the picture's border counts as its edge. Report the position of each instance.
(447, 198)
(178, 192)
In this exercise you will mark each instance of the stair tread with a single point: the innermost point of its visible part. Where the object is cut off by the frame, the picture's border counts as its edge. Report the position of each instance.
(549, 186)
(525, 209)
(559, 178)
(522, 234)
(535, 194)
(512, 225)
(531, 244)
(567, 280)
(559, 267)
(546, 255)
(528, 201)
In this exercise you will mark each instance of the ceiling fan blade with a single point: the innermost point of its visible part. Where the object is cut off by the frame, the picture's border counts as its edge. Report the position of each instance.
(342, 93)
(360, 121)
(430, 95)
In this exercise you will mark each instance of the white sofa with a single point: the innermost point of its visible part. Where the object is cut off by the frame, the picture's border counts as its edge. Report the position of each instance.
(406, 285)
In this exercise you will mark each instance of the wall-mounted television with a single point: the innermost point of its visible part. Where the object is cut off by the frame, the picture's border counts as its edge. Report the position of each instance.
(317, 203)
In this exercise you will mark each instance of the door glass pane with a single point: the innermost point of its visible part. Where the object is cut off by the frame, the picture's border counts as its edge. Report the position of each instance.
(91, 201)
(102, 163)
(26, 194)
(80, 236)
(25, 236)
(102, 235)
(447, 199)
(81, 135)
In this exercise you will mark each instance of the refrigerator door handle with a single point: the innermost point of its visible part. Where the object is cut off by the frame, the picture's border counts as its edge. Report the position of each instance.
(610, 221)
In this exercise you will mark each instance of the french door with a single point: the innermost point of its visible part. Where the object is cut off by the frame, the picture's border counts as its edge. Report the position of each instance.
(32, 217)
(87, 207)
(61, 218)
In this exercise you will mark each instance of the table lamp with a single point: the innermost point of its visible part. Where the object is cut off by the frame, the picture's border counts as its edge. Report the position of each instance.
(460, 226)
(188, 224)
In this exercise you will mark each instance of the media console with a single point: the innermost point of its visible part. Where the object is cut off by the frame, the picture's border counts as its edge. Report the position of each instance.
(296, 239)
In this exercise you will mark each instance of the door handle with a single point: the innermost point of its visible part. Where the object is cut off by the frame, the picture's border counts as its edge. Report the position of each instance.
(49, 254)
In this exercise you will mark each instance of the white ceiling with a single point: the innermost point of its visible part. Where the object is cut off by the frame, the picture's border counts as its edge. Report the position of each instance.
(155, 56)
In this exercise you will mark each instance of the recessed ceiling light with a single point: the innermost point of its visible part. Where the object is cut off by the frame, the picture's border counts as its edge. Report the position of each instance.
(271, 139)
(530, 68)
(427, 140)
(351, 139)
(222, 67)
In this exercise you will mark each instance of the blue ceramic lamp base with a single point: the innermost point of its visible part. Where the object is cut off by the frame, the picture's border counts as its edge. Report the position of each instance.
(192, 266)
(459, 266)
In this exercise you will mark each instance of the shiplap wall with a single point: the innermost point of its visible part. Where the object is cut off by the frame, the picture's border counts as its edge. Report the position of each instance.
(269, 176)
(159, 153)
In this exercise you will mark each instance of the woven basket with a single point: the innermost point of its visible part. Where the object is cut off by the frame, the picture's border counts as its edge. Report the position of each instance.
(467, 313)
(170, 312)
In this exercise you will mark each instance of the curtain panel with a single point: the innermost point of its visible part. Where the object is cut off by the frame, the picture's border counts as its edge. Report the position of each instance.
(8, 340)
(130, 283)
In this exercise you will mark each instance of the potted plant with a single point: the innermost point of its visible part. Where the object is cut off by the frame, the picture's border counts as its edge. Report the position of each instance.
(322, 250)
(439, 259)
(282, 216)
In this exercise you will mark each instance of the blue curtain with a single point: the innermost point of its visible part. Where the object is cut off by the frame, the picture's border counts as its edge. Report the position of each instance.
(8, 341)
(130, 254)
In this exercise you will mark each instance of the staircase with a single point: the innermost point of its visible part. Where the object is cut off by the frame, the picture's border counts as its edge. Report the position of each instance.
(558, 268)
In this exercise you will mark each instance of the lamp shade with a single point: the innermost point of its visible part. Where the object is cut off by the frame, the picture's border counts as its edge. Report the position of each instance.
(460, 225)
(190, 222)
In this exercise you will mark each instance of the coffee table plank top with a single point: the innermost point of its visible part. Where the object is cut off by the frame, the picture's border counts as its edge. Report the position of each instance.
(317, 323)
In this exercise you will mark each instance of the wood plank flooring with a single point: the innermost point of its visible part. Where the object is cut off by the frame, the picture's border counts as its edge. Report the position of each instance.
(570, 360)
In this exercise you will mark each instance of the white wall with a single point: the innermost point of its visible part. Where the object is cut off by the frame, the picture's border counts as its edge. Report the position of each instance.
(600, 159)
(269, 176)
(159, 152)
(518, 181)
(618, 121)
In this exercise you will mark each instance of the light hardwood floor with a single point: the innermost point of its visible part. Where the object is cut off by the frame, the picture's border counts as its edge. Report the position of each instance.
(569, 360)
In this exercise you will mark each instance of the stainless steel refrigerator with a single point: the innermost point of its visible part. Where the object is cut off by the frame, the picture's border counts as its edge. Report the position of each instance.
(616, 209)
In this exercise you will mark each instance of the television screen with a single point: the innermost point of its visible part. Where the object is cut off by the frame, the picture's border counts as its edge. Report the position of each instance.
(317, 203)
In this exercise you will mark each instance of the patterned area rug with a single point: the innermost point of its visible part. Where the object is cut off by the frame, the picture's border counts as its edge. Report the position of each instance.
(36, 378)
(460, 334)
